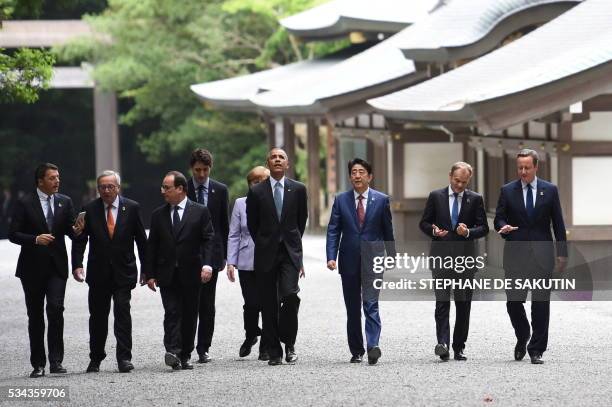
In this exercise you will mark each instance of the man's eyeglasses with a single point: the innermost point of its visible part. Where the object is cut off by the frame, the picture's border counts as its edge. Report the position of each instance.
(107, 187)
(165, 188)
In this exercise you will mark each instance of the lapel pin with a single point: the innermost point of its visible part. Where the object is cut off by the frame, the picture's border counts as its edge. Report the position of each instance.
(467, 201)
(59, 204)
(541, 193)
(288, 190)
(123, 208)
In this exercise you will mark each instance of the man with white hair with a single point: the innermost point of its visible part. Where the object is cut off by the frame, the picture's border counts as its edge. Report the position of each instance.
(112, 223)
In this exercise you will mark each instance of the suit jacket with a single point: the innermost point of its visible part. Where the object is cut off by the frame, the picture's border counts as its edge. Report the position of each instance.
(472, 214)
(536, 230)
(240, 245)
(111, 260)
(218, 206)
(345, 239)
(185, 253)
(268, 231)
(28, 221)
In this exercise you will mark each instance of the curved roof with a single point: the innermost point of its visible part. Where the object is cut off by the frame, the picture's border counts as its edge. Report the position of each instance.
(340, 17)
(565, 61)
(465, 28)
(235, 93)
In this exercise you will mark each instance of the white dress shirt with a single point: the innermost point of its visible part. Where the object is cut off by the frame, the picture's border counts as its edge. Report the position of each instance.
(534, 191)
(273, 183)
(114, 209)
(181, 210)
(44, 203)
(364, 200)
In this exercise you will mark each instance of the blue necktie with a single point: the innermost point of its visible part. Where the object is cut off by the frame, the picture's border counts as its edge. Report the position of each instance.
(455, 211)
(49, 217)
(201, 194)
(529, 203)
(278, 199)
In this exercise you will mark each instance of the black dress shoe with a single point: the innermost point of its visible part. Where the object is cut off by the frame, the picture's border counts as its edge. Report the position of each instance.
(245, 348)
(275, 361)
(441, 350)
(37, 372)
(536, 359)
(204, 358)
(459, 356)
(125, 366)
(172, 360)
(373, 355)
(93, 367)
(186, 365)
(520, 350)
(356, 359)
(264, 356)
(290, 355)
(57, 368)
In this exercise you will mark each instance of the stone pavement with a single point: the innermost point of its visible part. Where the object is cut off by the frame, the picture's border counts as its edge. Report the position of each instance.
(577, 369)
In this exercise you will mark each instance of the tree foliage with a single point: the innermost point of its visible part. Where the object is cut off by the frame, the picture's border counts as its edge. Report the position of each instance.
(151, 51)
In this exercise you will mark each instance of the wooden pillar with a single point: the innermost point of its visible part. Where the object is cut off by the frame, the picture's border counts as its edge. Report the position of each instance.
(106, 134)
(331, 163)
(288, 145)
(314, 175)
(564, 162)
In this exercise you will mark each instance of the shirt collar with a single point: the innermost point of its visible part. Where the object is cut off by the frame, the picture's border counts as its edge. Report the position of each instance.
(534, 183)
(365, 194)
(42, 195)
(205, 183)
(182, 204)
(115, 203)
(452, 193)
(274, 182)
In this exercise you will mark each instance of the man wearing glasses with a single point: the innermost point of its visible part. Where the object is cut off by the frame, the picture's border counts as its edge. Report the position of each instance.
(112, 224)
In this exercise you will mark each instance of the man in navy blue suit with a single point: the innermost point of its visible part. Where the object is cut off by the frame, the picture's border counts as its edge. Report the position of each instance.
(360, 222)
(525, 211)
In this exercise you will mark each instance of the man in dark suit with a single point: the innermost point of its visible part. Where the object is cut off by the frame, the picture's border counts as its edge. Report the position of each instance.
(212, 194)
(178, 256)
(454, 218)
(112, 223)
(39, 223)
(360, 221)
(277, 210)
(525, 212)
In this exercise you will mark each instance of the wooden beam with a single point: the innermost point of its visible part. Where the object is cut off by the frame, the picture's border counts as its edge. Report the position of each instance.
(314, 175)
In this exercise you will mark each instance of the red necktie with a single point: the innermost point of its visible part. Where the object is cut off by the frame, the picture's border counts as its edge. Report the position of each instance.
(360, 211)
(110, 221)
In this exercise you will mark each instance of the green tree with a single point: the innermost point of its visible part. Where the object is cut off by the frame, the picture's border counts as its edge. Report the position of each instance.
(25, 72)
(151, 51)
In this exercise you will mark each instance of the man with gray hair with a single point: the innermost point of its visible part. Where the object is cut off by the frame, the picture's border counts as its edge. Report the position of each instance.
(112, 224)
(454, 218)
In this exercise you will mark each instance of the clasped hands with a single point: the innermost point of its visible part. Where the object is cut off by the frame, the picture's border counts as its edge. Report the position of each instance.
(462, 230)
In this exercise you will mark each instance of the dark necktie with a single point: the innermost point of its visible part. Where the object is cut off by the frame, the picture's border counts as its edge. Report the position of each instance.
(176, 220)
(455, 211)
(529, 202)
(201, 194)
(49, 217)
(360, 211)
(278, 199)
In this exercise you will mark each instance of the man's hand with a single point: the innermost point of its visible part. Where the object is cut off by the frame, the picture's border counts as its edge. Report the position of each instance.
(206, 274)
(462, 230)
(302, 272)
(45, 239)
(79, 274)
(439, 232)
(561, 264)
(152, 283)
(507, 229)
(230, 273)
(143, 279)
(79, 224)
(331, 264)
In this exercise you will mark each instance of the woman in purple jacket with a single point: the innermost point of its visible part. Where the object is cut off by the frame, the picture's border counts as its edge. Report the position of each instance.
(240, 253)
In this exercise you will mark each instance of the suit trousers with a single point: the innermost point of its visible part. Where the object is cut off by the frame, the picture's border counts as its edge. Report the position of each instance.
(206, 313)
(278, 289)
(540, 310)
(99, 299)
(252, 306)
(53, 288)
(463, 306)
(180, 316)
